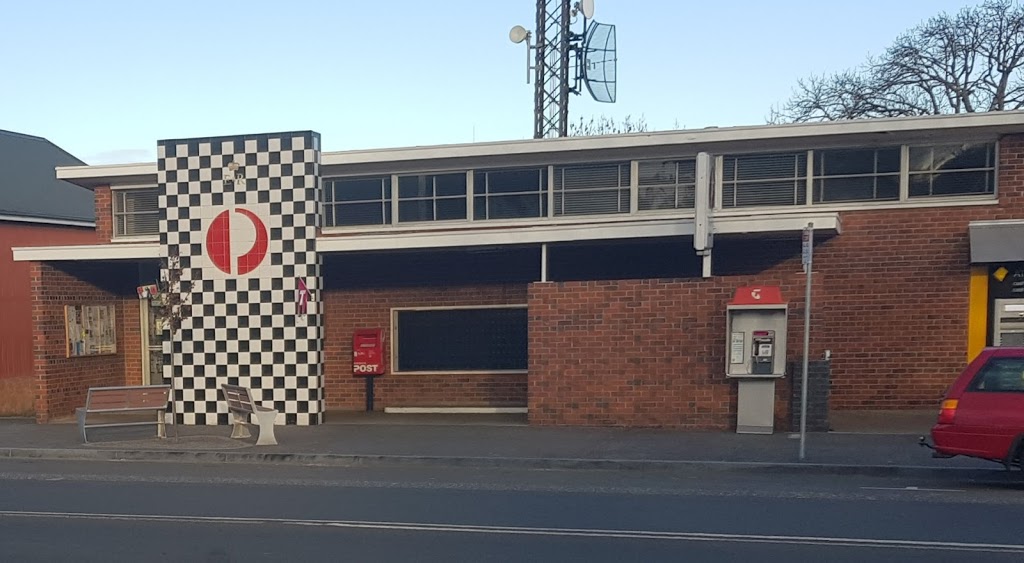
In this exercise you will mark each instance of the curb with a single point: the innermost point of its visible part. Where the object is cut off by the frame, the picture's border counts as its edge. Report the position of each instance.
(359, 460)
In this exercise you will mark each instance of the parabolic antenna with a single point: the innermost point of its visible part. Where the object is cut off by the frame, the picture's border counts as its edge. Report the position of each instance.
(599, 61)
(518, 34)
(587, 7)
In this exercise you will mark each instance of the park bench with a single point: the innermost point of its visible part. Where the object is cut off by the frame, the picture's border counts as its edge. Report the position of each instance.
(118, 401)
(241, 405)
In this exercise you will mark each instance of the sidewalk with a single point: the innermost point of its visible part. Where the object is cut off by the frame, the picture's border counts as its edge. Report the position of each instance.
(488, 441)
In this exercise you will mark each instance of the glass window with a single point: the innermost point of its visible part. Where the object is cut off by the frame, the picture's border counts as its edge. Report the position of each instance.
(1000, 375)
(453, 340)
(764, 179)
(510, 194)
(357, 201)
(857, 175)
(949, 170)
(432, 197)
(667, 184)
(136, 212)
(592, 189)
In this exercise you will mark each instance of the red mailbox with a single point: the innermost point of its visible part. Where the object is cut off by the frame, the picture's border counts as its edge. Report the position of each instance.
(368, 352)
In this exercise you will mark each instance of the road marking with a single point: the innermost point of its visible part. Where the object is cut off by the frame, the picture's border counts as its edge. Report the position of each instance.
(513, 530)
(916, 489)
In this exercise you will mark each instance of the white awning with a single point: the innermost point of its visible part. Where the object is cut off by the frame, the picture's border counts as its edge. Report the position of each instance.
(997, 241)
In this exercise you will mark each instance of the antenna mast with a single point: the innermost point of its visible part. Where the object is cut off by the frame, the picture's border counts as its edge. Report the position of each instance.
(564, 59)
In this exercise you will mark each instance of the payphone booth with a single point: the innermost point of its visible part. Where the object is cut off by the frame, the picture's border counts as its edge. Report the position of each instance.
(756, 354)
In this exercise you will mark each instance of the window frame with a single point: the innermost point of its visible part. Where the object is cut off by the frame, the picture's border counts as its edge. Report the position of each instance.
(397, 199)
(395, 341)
(556, 189)
(116, 196)
(542, 193)
(385, 202)
(993, 170)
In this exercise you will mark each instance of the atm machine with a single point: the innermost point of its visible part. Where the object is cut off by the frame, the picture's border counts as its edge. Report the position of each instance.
(1008, 328)
(756, 354)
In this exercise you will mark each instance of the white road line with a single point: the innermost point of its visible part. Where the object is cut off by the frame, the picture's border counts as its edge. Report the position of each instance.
(513, 530)
(915, 489)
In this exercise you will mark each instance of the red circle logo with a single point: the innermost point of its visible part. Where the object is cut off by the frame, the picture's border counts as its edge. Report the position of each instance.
(218, 243)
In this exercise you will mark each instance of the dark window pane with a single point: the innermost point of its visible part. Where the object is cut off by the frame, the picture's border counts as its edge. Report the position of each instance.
(595, 176)
(758, 167)
(450, 184)
(511, 181)
(1000, 375)
(514, 206)
(857, 161)
(416, 210)
(869, 188)
(479, 206)
(765, 193)
(448, 209)
(952, 157)
(658, 172)
(362, 189)
(960, 183)
(415, 186)
(462, 340)
(358, 214)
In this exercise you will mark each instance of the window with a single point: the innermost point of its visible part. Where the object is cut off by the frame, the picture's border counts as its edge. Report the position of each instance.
(857, 175)
(667, 184)
(452, 340)
(357, 201)
(432, 197)
(510, 194)
(136, 212)
(1000, 375)
(948, 170)
(764, 179)
(592, 189)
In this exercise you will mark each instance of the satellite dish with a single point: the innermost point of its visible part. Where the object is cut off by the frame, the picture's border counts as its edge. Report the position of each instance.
(599, 62)
(518, 34)
(587, 7)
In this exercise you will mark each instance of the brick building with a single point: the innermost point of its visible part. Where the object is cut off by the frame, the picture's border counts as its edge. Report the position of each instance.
(583, 280)
(35, 209)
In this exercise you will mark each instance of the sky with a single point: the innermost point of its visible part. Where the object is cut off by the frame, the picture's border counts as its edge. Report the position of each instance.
(105, 80)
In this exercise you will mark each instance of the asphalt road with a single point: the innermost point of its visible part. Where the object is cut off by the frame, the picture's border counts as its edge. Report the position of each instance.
(92, 511)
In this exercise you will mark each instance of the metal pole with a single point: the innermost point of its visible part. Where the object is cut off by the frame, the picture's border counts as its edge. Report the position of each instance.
(809, 259)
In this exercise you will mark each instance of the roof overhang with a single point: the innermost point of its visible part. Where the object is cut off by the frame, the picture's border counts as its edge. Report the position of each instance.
(654, 144)
(133, 251)
(47, 221)
(540, 234)
(997, 241)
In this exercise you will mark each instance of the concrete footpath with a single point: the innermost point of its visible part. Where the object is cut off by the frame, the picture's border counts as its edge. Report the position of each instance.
(361, 439)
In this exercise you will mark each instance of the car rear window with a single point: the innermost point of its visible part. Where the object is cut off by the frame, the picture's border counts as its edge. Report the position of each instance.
(1000, 374)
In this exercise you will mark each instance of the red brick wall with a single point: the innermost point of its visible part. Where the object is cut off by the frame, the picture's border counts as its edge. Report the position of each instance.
(17, 385)
(645, 352)
(346, 311)
(104, 213)
(897, 296)
(62, 382)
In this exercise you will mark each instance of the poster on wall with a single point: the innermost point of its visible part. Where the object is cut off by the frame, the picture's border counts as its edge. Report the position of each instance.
(90, 330)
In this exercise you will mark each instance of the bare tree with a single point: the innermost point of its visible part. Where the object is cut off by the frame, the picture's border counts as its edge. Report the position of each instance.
(972, 61)
(607, 126)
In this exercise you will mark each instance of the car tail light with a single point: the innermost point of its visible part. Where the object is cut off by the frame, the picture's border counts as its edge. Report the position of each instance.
(948, 411)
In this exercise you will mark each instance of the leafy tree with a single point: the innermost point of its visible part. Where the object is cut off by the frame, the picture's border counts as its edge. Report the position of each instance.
(972, 61)
(607, 126)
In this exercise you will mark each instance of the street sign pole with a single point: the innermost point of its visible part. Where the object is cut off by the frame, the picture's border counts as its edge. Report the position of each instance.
(808, 262)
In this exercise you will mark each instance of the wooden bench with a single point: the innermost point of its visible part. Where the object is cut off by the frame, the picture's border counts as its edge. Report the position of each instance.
(125, 400)
(241, 405)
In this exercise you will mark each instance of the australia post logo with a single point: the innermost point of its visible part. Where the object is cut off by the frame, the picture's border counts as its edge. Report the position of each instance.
(237, 241)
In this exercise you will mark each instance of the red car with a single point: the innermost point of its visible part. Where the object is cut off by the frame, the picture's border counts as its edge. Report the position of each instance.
(982, 414)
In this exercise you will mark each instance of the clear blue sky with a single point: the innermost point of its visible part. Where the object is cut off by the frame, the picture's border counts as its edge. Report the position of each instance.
(105, 80)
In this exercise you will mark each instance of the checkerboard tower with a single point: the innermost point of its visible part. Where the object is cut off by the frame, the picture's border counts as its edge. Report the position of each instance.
(238, 224)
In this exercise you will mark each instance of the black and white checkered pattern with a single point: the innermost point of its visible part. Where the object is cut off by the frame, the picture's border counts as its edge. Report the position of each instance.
(244, 329)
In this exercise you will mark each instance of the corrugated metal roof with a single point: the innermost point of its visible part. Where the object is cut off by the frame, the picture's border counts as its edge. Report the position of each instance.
(28, 184)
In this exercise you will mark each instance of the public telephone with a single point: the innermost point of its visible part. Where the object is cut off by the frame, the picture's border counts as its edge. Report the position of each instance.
(763, 352)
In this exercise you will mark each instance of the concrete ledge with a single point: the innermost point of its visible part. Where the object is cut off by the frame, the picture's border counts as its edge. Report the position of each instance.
(357, 460)
(455, 410)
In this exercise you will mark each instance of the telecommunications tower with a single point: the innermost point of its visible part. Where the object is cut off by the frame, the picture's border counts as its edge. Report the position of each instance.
(564, 60)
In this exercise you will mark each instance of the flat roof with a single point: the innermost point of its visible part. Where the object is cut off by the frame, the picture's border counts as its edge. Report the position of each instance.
(989, 123)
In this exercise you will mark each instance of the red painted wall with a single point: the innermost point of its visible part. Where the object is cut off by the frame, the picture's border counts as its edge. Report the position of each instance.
(17, 389)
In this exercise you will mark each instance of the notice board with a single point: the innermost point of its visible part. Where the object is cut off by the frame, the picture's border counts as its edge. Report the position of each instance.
(90, 330)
